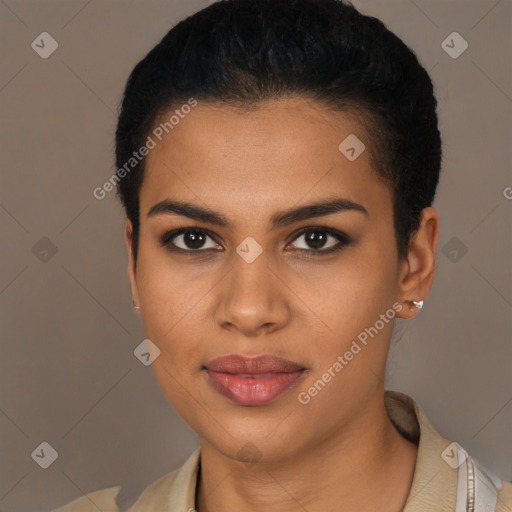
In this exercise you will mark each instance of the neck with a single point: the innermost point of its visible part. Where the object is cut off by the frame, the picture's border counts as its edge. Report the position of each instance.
(366, 465)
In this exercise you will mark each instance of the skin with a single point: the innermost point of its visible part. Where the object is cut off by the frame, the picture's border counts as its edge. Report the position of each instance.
(340, 447)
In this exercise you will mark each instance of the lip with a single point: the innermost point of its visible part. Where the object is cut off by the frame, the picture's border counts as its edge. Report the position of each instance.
(252, 380)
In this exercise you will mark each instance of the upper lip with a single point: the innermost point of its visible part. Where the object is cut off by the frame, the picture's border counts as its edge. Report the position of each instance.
(238, 364)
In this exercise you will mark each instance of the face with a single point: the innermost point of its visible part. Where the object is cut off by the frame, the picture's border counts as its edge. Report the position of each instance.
(248, 277)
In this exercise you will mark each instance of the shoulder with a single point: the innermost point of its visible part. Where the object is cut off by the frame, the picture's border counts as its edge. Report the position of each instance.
(104, 500)
(446, 476)
(504, 503)
(177, 486)
(119, 498)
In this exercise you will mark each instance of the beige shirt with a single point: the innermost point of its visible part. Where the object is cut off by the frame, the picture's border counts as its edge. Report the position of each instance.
(433, 488)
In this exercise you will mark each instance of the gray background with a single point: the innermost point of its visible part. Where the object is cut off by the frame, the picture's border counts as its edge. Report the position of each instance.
(68, 375)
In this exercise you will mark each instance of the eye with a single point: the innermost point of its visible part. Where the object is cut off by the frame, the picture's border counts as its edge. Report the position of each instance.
(188, 239)
(316, 240)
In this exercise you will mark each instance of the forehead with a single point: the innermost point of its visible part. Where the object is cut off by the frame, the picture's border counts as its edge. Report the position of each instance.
(287, 150)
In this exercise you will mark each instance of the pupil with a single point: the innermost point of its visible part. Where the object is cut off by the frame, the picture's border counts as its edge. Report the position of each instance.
(194, 240)
(315, 240)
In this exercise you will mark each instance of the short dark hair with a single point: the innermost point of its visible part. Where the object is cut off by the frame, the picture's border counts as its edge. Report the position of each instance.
(239, 53)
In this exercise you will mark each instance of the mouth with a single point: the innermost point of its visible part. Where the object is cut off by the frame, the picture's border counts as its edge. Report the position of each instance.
(252, 381)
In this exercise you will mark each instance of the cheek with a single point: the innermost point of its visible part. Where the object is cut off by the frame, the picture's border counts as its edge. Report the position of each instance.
(352, 301)
(170, 304)
(358, 289)
(169, 298)
(167, 288)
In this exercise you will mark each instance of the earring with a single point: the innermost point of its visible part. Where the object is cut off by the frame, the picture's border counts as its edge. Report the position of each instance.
(417, 303)
(135, 307)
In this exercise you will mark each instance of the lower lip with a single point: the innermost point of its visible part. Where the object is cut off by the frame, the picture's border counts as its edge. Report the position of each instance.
(254, 390)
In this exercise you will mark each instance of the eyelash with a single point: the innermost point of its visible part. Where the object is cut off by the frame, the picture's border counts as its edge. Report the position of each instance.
(343, 240)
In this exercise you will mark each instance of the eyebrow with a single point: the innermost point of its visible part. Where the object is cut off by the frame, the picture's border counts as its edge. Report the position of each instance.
(279, 219)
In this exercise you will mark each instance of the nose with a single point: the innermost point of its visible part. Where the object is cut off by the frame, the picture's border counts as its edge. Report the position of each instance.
(252, 298)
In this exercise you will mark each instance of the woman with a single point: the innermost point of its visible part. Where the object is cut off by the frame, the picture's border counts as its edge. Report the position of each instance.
(277, 162)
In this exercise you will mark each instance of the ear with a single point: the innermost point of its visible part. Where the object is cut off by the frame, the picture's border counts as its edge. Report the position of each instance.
(417, 269)
(128, 232)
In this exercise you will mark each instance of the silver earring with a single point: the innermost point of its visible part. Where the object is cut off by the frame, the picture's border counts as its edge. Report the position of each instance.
(135, 307)
(418, 303)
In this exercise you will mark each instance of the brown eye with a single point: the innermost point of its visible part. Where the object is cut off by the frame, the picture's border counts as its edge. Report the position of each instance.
(188, 239)
(193, 240)
(320, 240)
(316, 239)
